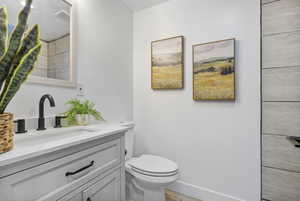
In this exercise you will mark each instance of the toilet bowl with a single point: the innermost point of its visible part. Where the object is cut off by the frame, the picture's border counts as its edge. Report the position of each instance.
(147, 176)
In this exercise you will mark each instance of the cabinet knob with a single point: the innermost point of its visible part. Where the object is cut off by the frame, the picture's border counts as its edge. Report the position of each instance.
(295, 141)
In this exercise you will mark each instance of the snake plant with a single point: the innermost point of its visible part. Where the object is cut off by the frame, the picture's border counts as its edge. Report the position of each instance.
(18, 54)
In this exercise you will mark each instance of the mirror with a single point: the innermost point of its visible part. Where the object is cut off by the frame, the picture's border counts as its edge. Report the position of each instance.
(54, 18)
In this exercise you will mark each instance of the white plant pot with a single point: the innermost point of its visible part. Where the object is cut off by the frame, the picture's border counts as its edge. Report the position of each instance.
(83, 119)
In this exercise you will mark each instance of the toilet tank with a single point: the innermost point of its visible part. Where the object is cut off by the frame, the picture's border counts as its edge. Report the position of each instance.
(129, 139)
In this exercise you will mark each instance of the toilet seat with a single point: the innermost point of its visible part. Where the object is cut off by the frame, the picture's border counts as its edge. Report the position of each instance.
(154, 179)
(153, 166)
(153, 174)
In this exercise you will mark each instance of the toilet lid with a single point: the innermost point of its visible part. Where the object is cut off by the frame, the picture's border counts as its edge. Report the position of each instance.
(153, 165)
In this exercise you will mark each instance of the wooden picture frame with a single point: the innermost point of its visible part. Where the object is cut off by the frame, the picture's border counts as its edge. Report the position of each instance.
(214, 71)
(167, 63)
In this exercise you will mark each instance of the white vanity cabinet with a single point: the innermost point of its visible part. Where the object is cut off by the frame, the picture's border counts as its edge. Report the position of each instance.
(92, 171)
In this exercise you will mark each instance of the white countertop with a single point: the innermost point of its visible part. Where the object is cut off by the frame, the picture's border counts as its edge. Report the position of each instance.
(37, 143)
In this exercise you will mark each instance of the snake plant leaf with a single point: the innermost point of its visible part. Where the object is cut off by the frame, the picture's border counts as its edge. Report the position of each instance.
(19, 76)
(14, 42)
(3, 30)
(29, 42)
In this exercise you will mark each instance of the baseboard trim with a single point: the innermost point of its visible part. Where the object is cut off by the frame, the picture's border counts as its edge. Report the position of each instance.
(201, 193)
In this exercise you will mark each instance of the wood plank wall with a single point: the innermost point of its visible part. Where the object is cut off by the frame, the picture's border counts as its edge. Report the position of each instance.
(281, 99)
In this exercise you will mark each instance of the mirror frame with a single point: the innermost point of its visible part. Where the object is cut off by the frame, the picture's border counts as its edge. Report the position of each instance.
(72, 83)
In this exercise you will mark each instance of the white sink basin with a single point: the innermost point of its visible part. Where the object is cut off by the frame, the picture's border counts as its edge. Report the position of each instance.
(38, 137)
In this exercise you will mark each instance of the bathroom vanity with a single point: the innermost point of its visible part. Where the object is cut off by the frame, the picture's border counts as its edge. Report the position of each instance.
(67, 164)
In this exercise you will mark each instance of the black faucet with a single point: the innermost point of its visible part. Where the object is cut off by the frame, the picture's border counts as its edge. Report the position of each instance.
(41, 125)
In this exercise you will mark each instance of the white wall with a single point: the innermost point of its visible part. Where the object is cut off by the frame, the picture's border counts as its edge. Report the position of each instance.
(216, 144)
(102, 55)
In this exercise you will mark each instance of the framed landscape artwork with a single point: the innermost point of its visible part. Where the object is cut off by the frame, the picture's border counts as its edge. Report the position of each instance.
(214, 70)
(167, 63)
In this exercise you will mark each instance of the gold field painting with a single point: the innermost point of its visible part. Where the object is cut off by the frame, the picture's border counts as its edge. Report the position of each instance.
(167, 63)
(214, 70)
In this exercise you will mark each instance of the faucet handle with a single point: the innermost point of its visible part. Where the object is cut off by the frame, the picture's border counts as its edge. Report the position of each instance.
(58, 121)
(20, 126)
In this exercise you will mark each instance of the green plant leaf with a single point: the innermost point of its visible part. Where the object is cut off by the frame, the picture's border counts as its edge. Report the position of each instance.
(29, 42)
(3, 30)
(14, 42)
(19, 76)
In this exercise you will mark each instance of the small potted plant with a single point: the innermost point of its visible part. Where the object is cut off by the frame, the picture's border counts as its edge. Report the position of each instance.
(18, 55)
(79, 112)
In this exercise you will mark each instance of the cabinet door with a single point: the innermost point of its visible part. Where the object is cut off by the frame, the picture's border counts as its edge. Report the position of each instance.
(106, 189)
(72, 197)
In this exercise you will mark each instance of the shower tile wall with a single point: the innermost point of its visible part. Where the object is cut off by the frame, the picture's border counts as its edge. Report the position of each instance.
(54, 61)
(58, 58)
(281, 99)
(41, 68)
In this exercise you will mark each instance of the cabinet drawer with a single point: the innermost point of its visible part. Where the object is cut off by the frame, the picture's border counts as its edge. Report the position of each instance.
(280, 185)
(73, 170)
(279, 152)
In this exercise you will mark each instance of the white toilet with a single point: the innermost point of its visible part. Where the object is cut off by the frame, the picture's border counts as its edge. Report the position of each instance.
(147, 176)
